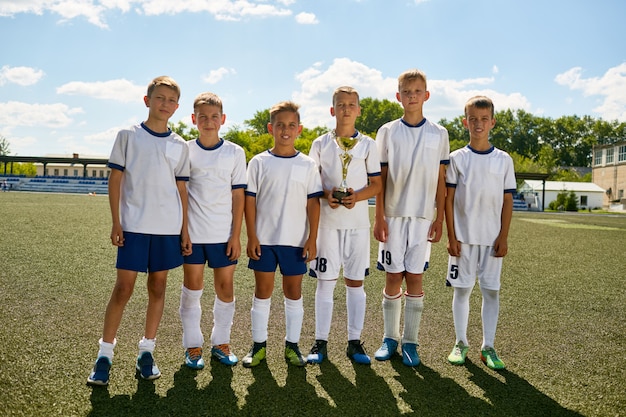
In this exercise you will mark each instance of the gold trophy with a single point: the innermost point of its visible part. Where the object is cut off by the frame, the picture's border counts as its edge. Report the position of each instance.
(345, 144)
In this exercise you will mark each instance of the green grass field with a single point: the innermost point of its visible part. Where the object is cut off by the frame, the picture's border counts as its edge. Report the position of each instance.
(562, 330)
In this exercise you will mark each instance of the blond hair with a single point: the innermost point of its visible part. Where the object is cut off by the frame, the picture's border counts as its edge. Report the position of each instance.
(480, 102)
(345, 89)
(163, 80)
(284, 106)
(207, 98)
(410, 75)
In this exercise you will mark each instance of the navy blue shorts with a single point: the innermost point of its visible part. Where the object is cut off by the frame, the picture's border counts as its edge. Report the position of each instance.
(214, 254)
(288, 258)
(149, 253)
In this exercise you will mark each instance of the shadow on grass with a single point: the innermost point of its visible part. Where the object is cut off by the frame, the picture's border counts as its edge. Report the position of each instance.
(429, 394)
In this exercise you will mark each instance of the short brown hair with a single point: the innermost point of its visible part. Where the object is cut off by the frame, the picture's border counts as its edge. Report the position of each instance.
(208, 98)
(165, 81)
(410, 75)
(345, 89)
(480, 102)
(284, 106)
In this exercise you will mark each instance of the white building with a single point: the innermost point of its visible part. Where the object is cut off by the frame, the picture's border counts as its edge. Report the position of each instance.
(589, 195)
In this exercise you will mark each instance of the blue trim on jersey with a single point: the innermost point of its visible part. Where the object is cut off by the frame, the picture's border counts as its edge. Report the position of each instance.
(488, 151)
(374, 174)
(384, 164)
(450, 185)
(182, 178)
(444, 162)
(317, 194)
(237, 186)
(286, 157)
(212, 148)
(510, 191)
(115, 166)
(420, 124)
(153, 133)
(250, 193)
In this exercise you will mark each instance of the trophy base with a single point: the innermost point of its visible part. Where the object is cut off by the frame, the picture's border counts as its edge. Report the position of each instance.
(340, 194)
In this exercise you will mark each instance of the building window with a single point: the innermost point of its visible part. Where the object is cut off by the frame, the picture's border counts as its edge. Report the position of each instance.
(609, 155)
(94, 173)
(101, 173)
(65, 172)
(622, 153)
(583, 201)
(597, 160)
(76, 173)
(56, 172)
(620, 194)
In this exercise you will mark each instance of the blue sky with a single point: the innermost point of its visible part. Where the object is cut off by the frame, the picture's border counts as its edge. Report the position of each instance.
(73, 72)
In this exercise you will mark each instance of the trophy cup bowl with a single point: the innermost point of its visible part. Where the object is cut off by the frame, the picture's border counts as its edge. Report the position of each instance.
(345, 144)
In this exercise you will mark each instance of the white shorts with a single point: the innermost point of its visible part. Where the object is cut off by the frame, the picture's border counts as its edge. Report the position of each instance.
(475, 261)
(407, 247)
(349, 248)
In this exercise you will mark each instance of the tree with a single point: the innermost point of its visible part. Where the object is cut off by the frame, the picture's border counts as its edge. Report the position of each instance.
(5, 146)
(184, 131)
(259, 122)
(375, 113)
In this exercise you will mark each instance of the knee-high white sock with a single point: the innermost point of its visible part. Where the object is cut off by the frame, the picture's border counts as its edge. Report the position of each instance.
(355, 304)
(460, 313)
(392, 309)
(413, 307)
(146, 345)
(490, 312)
(324, 308)
(106, 349)
(294, 313)
(190, 315)
(259, 317)
(223, 314)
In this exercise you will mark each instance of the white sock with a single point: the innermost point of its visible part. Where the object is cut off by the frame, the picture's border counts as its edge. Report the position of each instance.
(413, 307)
(106, 349)
(259, 317)
(355, 304)
(190, 312)
(460, 313)
(146, 345)
(490, 312)
(324, 308)
(223, 314)
(294, 313)
(392, 309)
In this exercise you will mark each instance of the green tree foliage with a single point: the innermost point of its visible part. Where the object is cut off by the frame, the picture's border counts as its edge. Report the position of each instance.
(184, 131)
(564, 201)
(5, 146)
(375, 113)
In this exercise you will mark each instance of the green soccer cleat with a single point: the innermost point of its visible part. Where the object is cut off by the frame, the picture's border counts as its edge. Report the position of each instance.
(489, 356)
(293, 355)
(255, 356)
(458, 354)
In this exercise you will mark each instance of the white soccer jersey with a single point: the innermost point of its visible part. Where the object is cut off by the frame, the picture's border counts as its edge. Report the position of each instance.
(365, 163)
(215, 172)
(480, 180)
(152, 163)
(282, 187)
(413, 155)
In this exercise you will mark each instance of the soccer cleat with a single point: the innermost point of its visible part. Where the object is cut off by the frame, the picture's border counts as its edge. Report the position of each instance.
(409, 354)
(222, 353)
(293, 355)
(146, 368)
(318, 352)
(386, 350)
(193, 358)
(458, 354)
(356, 353)
(100, 374)
(255, 356)
(489, 356)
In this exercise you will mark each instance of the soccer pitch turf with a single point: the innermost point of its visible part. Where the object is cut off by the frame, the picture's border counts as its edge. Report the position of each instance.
(562, 330)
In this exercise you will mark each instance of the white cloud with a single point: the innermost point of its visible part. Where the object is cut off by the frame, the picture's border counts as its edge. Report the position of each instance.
(20, 75)
(307, 18)
(447, 97)
(216, 76)
(117, 90)
(13, 114)
(611, 87)
(495, 69)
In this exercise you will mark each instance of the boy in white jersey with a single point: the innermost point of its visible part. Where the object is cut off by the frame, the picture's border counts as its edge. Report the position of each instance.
(344, 234)
(216, 198)
(409, 212)
(148, 199)
(282, 213)
(479, 206)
